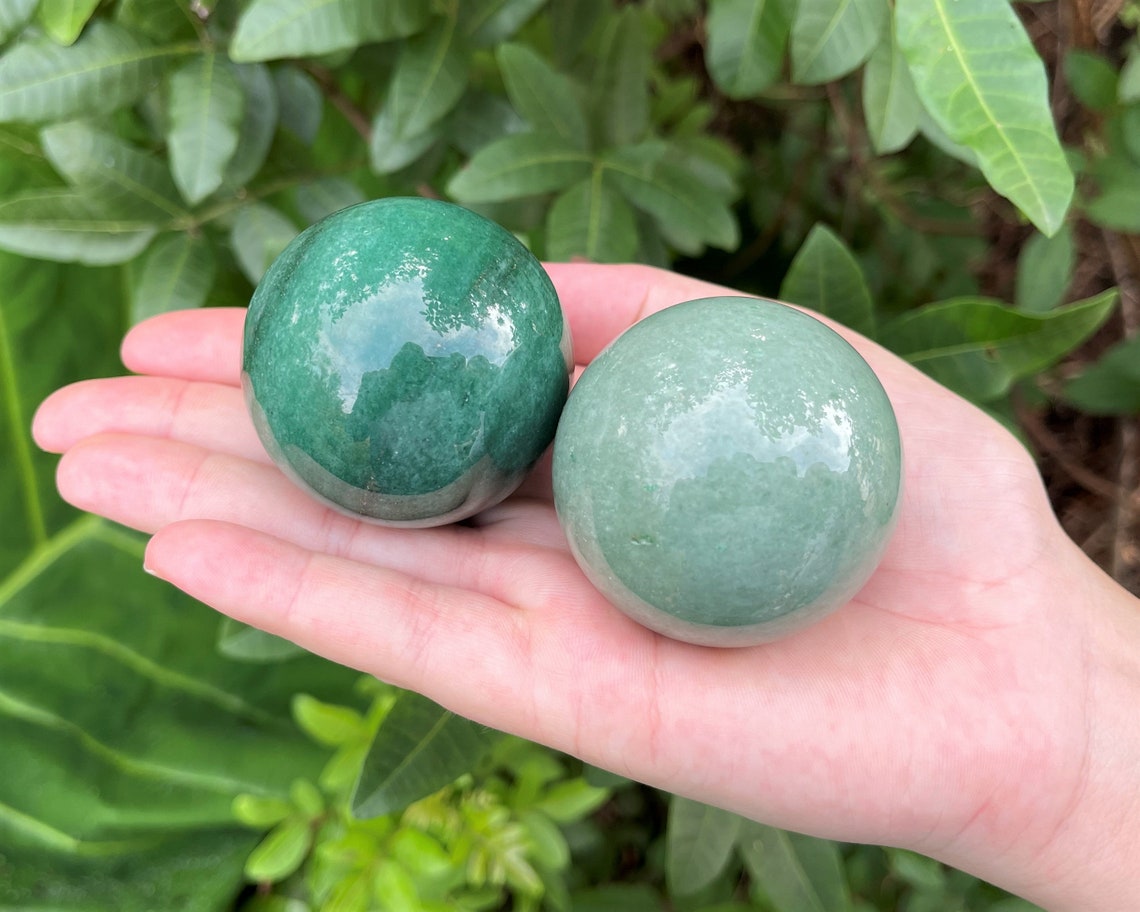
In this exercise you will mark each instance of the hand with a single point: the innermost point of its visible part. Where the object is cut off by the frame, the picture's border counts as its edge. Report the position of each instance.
(960, 705)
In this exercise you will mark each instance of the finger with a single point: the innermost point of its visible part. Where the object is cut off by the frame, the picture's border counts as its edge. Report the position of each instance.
(519, 671)
(601, 301)
(209, 415)
(191, 344)
(147, 483)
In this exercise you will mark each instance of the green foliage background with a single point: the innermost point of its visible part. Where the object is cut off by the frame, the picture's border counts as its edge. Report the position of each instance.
(850, 155)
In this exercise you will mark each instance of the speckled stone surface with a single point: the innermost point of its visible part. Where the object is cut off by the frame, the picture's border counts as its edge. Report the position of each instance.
(406, 360)
(728, 471)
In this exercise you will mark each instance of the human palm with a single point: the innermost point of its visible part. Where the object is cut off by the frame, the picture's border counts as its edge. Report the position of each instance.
(940, 709)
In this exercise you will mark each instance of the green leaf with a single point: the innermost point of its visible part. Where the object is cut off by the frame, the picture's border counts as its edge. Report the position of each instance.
(132, 760)
(651, 181)
(281, 852)
(419, 748)
(272, 29)
(63, 20)
(44, 309)
(547, 99)
(1117, 205)
(521, 164)
(108, 67)
(390, 149)
(489, 22)
(983, 83)
(699, 843)
(430, 76)
(620, 85)
(261, 811)
(176, 273)
(1045, 271)
(105, 167)
(479, 119)
(327, 723)
(618, 897)
(830, 38)
(592, 221)
(161, 20)
(72, 225)
(746, 44)
(1092, 79)
(1111, 385)
(891, 105)
(205, 111)
(794, 873)
(14, 15)
(258, 236)
(243, 643)
(1128, 85)
(978, 347)
(826, 277)
(394, 888)
(571, 24)
(548, 844)
(920, 872)
(258, 126)
(325, 196)
(571, 800)
(302, 104)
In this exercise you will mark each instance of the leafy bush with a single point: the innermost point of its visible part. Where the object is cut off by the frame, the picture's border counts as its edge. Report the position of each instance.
(860, 158)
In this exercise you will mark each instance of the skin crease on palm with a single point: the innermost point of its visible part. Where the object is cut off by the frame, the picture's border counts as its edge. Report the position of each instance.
(972, 702)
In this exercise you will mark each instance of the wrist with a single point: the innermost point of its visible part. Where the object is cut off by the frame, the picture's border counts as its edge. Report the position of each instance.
(1083, 855)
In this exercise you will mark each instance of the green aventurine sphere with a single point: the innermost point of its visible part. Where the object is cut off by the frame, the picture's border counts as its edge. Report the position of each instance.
(728, 471)
(406, 360)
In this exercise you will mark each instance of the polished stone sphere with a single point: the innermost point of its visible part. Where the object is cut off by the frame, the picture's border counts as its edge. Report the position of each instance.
(406, 361)
(728, 471)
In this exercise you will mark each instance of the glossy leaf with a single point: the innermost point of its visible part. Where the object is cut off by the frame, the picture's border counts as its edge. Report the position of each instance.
(480, 118)
(825, 277)
(258, 236)
(106, 68)
(546, 98)
(699, 844)
(103, 166)
(489, 22)
(205, 110)
(591, 221)
(63, 20)
(1128, 86)
(273, 29)
(430, 76)
(747, 40)
(1044, 271)
(982, 82)
(14, 14)
(648, 179)
(620, 85)
(160, 20)
(891, 105)
(794, 873)
(419, 748)
(261, 811)
(571, 800)
(830, 38)
(978, 347)
(521, 164)
(390, 149)
(73, 225)
(1111, 385)
(176, 273)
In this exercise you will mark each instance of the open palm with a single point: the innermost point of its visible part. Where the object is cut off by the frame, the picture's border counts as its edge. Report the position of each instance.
(942, 709)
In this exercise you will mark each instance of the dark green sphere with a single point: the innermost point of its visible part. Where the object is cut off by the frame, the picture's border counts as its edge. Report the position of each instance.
(406, 360)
